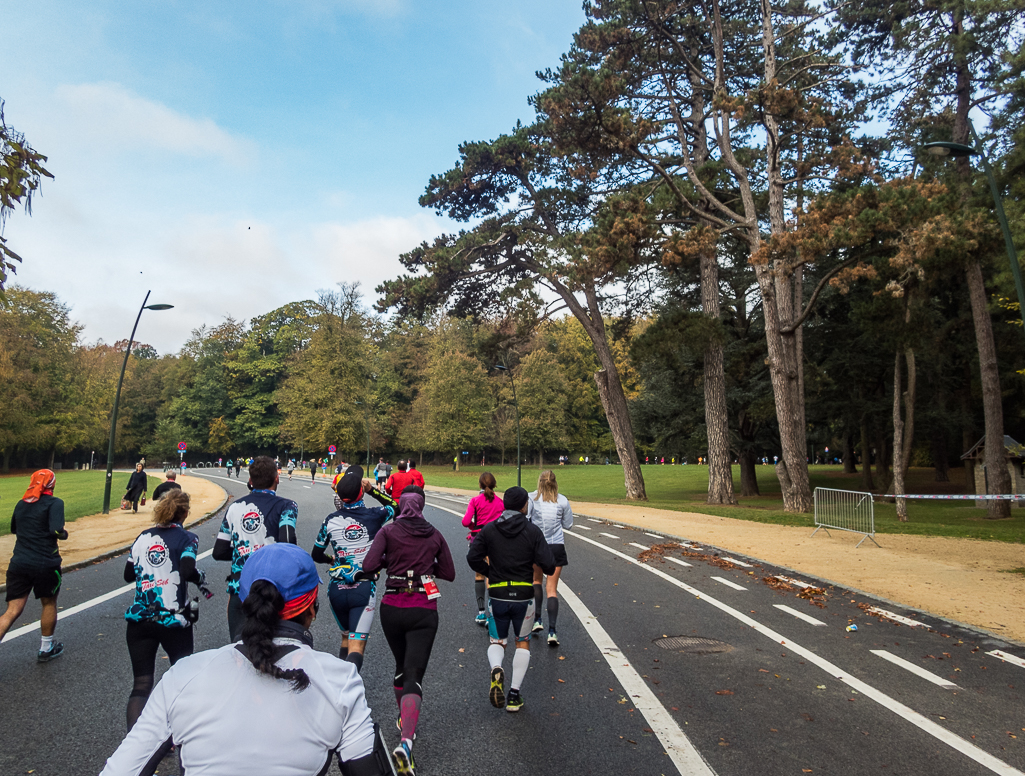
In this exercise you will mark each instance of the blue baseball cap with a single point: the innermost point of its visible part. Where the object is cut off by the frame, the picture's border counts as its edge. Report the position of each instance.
(288, 567)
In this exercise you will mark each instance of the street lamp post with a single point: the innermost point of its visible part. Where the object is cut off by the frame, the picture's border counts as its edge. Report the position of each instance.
(943, 148)
(516, 405)
(117, 400)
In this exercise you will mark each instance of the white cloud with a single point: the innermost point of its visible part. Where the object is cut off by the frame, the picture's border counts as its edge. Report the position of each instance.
(112, 115)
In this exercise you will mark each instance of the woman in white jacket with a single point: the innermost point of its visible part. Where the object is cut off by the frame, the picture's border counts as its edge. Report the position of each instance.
(549, 510)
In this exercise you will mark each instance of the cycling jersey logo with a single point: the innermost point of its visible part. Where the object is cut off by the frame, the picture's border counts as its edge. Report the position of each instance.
(252, 521)
(354, 532)
(156, 554)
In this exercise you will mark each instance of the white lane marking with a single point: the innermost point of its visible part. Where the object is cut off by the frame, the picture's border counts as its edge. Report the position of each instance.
(593, 520)
(602, 533)
(34, 626)
(582, 527)
(308, 487)
(896, 617)
(656, 536)
(792, 581)
(916, 670)
(1009, 658)
(621, 527)
(967, 748)
(681, 562)
(640, 546)
(727, 582)
(798, 615)
(739, 563)
(685, 756)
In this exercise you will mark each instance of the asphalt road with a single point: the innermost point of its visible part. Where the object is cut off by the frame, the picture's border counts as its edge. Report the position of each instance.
(771, 691)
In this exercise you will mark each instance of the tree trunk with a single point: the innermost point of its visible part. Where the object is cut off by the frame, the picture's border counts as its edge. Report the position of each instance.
(882, 460)
(898, 443)
(997, 478)
(848, 454)
(7, 460)
(720, 472)
(969, 433)
(866, 457)
(748, 478)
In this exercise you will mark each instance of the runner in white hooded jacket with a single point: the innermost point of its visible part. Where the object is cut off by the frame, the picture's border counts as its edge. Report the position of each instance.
(550, 511)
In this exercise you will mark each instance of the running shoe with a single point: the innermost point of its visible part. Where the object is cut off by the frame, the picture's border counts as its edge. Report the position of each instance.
(553, 640)
(55, 651)
(403, 755)
(538, 627)
(482, 619)
(497, 694)
(515, 702)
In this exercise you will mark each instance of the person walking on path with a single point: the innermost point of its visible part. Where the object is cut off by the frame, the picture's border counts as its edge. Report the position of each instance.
(507, 551)
(291, 468)
(169, 484)
(415, 553)
(550, 511)
(37, 524)
(418, 478)
(482, 509)
(350, 530)
(253, 521)
(138, 484)
(398, 481)
(381, 472)
(161, 563)
(238, 467)
(271, 704)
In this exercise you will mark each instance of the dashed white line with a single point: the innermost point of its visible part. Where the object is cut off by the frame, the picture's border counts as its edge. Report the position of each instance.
(640, 546)
(897, 617)
(792, 581)
(739, 563)
(656, 536)
(582, 527)
(611, 536)
(593, 520)
(965, 747)
(34, 626)
(727, 582)
(620, 527)
(1008, 658)
(798, 615)
(681, 751)
(681, 562)
(939, 681)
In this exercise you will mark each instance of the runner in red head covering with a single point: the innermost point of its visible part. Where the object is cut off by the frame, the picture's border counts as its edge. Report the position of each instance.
(41, 484)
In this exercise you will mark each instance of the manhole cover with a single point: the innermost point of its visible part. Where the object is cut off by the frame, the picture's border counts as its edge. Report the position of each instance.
(694, 645)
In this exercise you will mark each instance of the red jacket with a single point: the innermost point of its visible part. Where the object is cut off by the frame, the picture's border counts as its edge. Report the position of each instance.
(418, 478)
(397, 483)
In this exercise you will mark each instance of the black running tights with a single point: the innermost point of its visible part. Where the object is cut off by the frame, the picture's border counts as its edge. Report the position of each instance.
(410, 633)
(143, 639)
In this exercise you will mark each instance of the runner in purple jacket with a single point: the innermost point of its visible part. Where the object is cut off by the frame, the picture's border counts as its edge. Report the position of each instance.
(414, 553)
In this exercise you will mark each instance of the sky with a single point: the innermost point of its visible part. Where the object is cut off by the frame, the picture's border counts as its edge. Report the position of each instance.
(234, 157)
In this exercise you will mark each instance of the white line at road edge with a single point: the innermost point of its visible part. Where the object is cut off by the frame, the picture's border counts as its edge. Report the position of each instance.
(681, 751)
(34, 626)
(896, 617)
(1008, 658)
(798, 615)
(916, 670)
(966, 748)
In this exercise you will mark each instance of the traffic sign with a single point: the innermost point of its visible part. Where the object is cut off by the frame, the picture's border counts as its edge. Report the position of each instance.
(332, 449)
(182, 446)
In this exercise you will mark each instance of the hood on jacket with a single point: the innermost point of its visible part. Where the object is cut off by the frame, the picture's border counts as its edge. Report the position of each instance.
(410, 519)
(512, 523)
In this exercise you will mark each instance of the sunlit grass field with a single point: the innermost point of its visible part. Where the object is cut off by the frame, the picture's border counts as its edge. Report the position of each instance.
(684, 488)
(81, 491)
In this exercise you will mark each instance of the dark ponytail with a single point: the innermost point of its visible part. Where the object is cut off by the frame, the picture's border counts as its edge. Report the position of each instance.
(487, 484)
(262, 608)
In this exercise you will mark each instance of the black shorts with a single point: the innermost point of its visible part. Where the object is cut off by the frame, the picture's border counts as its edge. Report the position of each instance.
(46, 583)
(559, 551)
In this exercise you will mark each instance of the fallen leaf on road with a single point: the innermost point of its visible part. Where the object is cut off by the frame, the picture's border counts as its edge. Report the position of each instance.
(805, 770)
(461, 649)
(724, 692)
(562, 657)
(562, 681)
(762, 671)
(820, 687)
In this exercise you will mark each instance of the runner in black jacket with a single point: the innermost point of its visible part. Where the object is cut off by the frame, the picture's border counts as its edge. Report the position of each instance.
(505, 552)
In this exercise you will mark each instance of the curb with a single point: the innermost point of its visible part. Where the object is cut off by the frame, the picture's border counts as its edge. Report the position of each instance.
(121, 550)
(839, 585)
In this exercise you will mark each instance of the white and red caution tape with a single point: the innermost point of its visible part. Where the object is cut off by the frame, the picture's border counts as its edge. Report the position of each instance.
(983, 497)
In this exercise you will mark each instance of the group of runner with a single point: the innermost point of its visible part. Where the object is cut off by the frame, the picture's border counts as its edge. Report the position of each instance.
(272, 599)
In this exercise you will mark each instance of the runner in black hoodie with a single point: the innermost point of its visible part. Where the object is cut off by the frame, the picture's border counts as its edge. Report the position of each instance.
(505, 552)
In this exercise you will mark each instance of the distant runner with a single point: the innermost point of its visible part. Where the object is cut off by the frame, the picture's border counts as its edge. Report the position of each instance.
(550, 511)
(481, 510)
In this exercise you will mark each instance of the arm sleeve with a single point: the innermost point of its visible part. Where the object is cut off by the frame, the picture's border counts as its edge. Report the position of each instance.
(14, 525)
(225, 530)
(477, 556)
(373, 561)
(471, 510)
(444, 568)
(222, 549)
(357, 725)
(384, 498)
(567, 515)
(146, 739)
(543, 554)
(129, 571)
(188, 570)
(286, 525)
(57, 519)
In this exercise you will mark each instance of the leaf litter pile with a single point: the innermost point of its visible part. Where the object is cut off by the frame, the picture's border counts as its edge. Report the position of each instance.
(813, 595)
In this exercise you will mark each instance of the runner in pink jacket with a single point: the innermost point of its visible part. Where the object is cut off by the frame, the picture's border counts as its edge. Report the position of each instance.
(481, 510)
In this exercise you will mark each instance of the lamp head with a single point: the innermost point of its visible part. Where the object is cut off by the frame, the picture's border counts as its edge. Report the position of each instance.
(944, 148)
(499, 366)
(159, 306)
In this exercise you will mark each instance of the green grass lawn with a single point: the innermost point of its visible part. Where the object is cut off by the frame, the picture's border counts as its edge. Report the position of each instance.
(81, 491)
(683, 488)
